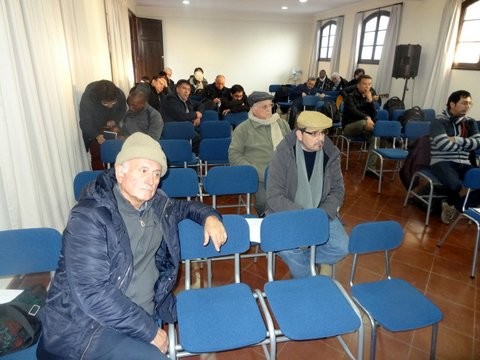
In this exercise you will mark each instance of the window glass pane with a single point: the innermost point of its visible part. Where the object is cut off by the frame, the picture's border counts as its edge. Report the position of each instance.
(367, 52)
(468, 53)
(381, 37)
(333, 29)
(371, 25)
(383, 22)
(331, 40)
(473, 11)
(369, 38)
(470, 31)
(323, 52)
(378, 52)
(330, 50)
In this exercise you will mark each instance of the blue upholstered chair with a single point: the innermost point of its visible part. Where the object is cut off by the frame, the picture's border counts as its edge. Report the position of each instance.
(391, 303)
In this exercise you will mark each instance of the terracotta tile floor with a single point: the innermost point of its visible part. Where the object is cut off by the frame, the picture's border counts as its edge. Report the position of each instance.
(443, 274)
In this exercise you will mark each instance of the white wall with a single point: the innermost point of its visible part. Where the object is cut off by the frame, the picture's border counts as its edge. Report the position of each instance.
(256, 51)
(250, 51)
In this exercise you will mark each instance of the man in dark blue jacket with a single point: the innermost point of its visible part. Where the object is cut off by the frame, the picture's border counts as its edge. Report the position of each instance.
(119, 262)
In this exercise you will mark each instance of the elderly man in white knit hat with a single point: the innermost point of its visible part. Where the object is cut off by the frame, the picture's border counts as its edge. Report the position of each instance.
(120, 261)
(255, 140)
(305, 173)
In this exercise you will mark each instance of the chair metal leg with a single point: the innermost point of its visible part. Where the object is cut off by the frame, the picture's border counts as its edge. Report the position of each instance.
(380, 174)
(373, 342)
(433, 346)
(442, 240)
(475, 251)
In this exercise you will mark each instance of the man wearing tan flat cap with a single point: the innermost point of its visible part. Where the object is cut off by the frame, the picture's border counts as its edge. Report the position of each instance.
(305, 173)
(120, 261)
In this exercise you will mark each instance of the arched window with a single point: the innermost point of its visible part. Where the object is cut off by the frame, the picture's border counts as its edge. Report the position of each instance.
(374, 29)
(327, 37)
(467, 54)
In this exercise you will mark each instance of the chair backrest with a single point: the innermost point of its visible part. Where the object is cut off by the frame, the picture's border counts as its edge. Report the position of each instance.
(178, 130)
(191, 238)
(230, 180)
(292, 229)
(25, 251)
(214, 150)
(82, 179)
(387, 129)
(396, 114)
(415, 129)
(180, 183)
(210, 115)
(236, 118)
(177, 151)
(375, 236)
(382, 114)
(430, 114)
(273, 88)
(110, 149)
(310, 100)
(472, 182)
(215, 129)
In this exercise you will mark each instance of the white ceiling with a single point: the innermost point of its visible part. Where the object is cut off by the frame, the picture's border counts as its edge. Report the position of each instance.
(258, 6)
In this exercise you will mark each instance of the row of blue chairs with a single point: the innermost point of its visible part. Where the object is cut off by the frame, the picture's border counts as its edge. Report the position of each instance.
(295, 309)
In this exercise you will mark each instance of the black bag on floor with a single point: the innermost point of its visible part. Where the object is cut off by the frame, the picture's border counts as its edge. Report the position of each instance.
(329, 108)
(415, 113)
(394, 103)
(19, 325)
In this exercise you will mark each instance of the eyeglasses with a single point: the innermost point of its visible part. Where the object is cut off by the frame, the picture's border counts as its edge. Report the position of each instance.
(466, 103)
(316, 133)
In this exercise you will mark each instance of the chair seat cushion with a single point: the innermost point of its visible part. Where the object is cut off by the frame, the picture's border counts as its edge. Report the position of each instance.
(396, 305)
(219, 318)
(310, 308)
(395, 154)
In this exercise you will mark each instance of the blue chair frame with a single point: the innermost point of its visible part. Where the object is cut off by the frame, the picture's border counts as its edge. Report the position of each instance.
(26, 251)
(213, 151)
(82, 179)
(215, 129)
(219, 318)
(178, 152)
(178, 130)
(391, 303)
(314, 307)
(236, 119)
(471, 182)
(181, 183)
(109, 150)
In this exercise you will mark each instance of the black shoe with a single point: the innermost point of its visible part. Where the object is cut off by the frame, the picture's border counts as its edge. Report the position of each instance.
(371, 174)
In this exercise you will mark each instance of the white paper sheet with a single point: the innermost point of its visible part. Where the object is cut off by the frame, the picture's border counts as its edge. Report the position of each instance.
(254, 224)
(7, 295)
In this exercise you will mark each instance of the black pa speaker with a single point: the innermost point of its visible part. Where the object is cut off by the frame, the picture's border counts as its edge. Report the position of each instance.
(407, 59)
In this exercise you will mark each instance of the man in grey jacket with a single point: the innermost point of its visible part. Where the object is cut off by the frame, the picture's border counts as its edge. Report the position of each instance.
(305, 173)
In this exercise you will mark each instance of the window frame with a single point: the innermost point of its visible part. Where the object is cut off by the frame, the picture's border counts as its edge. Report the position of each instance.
(464, 66)
(377, 14)
(324, 27)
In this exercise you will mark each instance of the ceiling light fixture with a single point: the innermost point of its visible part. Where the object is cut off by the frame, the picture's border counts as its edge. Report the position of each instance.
(284, 7)
(186, 2)
(303, 1)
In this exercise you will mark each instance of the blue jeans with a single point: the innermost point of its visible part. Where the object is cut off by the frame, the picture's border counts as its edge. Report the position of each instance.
(298, 260)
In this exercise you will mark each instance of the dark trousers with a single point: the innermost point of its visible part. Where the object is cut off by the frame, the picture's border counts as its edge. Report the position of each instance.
(95, 155)
(113, 345)
(451, 175)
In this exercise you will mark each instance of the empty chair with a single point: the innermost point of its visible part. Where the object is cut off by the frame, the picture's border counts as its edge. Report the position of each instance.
(414, 129)
(210, 115)
(308, 308)
(391, 303)
(213, 152)
(83, 178)
(430, 114)
(179, 152)
(180, 183)
(386, 130)
(471, 181)
(310, 101)
(109, 150)
(382, 115)
(26, 251)
(396, 114)
(236, 118)
(219, 318)
(215, 129)
(345, 144)
(178, 130)
(241, 180)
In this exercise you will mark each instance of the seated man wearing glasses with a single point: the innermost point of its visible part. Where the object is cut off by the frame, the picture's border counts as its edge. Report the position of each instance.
(305, 173)
(453, 135)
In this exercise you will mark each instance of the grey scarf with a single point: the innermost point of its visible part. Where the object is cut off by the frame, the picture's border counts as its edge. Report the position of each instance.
(309, 193)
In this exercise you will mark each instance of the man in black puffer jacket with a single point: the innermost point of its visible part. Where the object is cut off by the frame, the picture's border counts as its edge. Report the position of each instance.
(119, 262)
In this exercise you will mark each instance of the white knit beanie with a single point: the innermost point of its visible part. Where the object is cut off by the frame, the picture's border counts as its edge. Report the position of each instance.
(142, 146)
